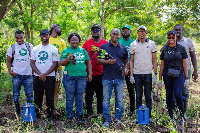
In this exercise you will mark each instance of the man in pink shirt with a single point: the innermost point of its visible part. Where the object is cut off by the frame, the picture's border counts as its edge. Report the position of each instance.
(92, 47)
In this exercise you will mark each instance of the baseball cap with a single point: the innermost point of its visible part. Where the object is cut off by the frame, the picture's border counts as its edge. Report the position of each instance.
(126, 26)
(96, 26)
(171, 32)
(142, 27)
(46, 31)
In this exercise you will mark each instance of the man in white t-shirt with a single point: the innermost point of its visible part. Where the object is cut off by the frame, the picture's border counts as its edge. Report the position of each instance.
(44, 60)
(142, 61)
(18, 58)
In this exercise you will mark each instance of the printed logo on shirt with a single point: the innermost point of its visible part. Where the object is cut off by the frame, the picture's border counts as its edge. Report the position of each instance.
(56, 45)
(43, 55)
(23, 51)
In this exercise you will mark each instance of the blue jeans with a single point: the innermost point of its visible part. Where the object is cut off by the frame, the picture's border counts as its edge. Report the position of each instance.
(146, 81)
(108, 86)
(27, 82)
(185, 92)
(174, 86)
(74, 89)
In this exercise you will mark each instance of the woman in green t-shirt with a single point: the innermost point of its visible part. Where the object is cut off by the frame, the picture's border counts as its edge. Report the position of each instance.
(75, 76)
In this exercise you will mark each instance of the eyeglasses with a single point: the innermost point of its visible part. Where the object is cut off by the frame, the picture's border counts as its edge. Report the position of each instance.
(97, 30)
(170, 37)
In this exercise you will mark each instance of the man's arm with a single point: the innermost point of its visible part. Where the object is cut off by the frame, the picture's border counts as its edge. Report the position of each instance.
(131, 64)
(126, 66)
(194, 64)
(154, 60)
(8, 63)
(105, 62)
(89, 68)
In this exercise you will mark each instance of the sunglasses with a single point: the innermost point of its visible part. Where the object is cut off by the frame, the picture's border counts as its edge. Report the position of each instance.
(170, 37)
(97, 30)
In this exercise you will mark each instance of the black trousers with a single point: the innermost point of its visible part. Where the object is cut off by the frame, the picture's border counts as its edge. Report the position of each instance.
(94, 86)
(131, 91)
(39, 87)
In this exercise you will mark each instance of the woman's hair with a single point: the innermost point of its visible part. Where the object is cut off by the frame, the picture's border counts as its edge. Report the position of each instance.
(74, 34)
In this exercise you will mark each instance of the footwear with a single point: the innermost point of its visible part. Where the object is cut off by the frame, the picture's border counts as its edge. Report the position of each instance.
(80, 119)
(56, 113)
(180, 121)
(135, 121)
(18, 109)
(184, 116)
(117, 120)
(106, 123)
(69, 119)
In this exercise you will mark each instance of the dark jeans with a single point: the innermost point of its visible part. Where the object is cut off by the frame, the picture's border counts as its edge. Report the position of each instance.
(131, 91)
(39, 87)
(94, 86)
(174, 86)
(146, 81)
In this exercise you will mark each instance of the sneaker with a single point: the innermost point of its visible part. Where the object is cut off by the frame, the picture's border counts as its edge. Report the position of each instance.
(69, 119)
(80, 119)
(117, 120)
(106, 123)
(56, 113)
(184, 117)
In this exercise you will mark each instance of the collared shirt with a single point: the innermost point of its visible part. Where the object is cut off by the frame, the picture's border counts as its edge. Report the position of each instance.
(187, 43)
(120, 53)
(142, 56)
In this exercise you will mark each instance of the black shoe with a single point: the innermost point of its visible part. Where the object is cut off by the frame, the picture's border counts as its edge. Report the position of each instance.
(69, 119)
(80, 120)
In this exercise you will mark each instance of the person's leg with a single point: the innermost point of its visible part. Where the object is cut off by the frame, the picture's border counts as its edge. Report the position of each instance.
(17, 83)
(178, 86)
(89, 92)
(131, 92)
(139, 89)
(80, 89)
(107, 92)
(49, 86)
(69, 83)
(99, 93)
(119, 91)
(56, 92)
(147, 91)
(28, 87)
(168, 81)
(38, 95)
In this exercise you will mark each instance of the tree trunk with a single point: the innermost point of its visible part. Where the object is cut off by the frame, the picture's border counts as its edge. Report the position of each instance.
(102, 20)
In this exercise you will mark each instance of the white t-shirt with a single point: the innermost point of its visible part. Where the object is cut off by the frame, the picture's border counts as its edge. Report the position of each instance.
(21, 62)
(44, 57)
(142, 56)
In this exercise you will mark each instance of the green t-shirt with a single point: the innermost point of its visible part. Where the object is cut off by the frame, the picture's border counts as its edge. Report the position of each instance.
(127, 44)
(81, 56)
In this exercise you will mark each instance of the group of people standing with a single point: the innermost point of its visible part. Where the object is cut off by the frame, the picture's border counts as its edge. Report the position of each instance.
(99, 67)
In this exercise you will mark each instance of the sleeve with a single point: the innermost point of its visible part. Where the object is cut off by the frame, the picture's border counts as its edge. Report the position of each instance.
(64, 55)
(131, 48)
(190, 45)
(55, 55)
(9, 52)
(153, 47)
(33, 54)
(184, 53)
(87, 58)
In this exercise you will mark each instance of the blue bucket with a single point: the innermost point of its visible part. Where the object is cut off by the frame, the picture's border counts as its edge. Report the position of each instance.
(143, 115)
(28, 112)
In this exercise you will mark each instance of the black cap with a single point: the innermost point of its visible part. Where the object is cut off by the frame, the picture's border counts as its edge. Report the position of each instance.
(171, 32)
(46, 31)
(96, 26)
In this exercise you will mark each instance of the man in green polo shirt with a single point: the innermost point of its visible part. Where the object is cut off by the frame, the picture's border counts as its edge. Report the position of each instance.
(126, 41)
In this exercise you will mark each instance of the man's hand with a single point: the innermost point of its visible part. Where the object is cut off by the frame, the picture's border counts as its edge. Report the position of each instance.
(13, 74)
(126, 71)
(111, 61)
(132, 80)
(195, 76)
(187, 83)
(89, 78)
(43, 77)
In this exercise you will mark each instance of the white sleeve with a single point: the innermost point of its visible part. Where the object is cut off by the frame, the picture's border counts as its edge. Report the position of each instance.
(132, 48)
(55, 55)
(9, 52)
(153, 48)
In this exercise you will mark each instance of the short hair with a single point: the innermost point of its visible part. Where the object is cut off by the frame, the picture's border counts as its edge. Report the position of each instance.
(74, 34)
(53, 26)
(178, 25)
(19, 32)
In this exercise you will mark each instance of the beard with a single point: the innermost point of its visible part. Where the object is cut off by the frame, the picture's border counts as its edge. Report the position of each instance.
(95, 36)
(126, 35)
(45, 40)
(59, 33)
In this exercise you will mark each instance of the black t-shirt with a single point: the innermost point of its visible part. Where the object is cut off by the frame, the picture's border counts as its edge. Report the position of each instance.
(173, 57)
